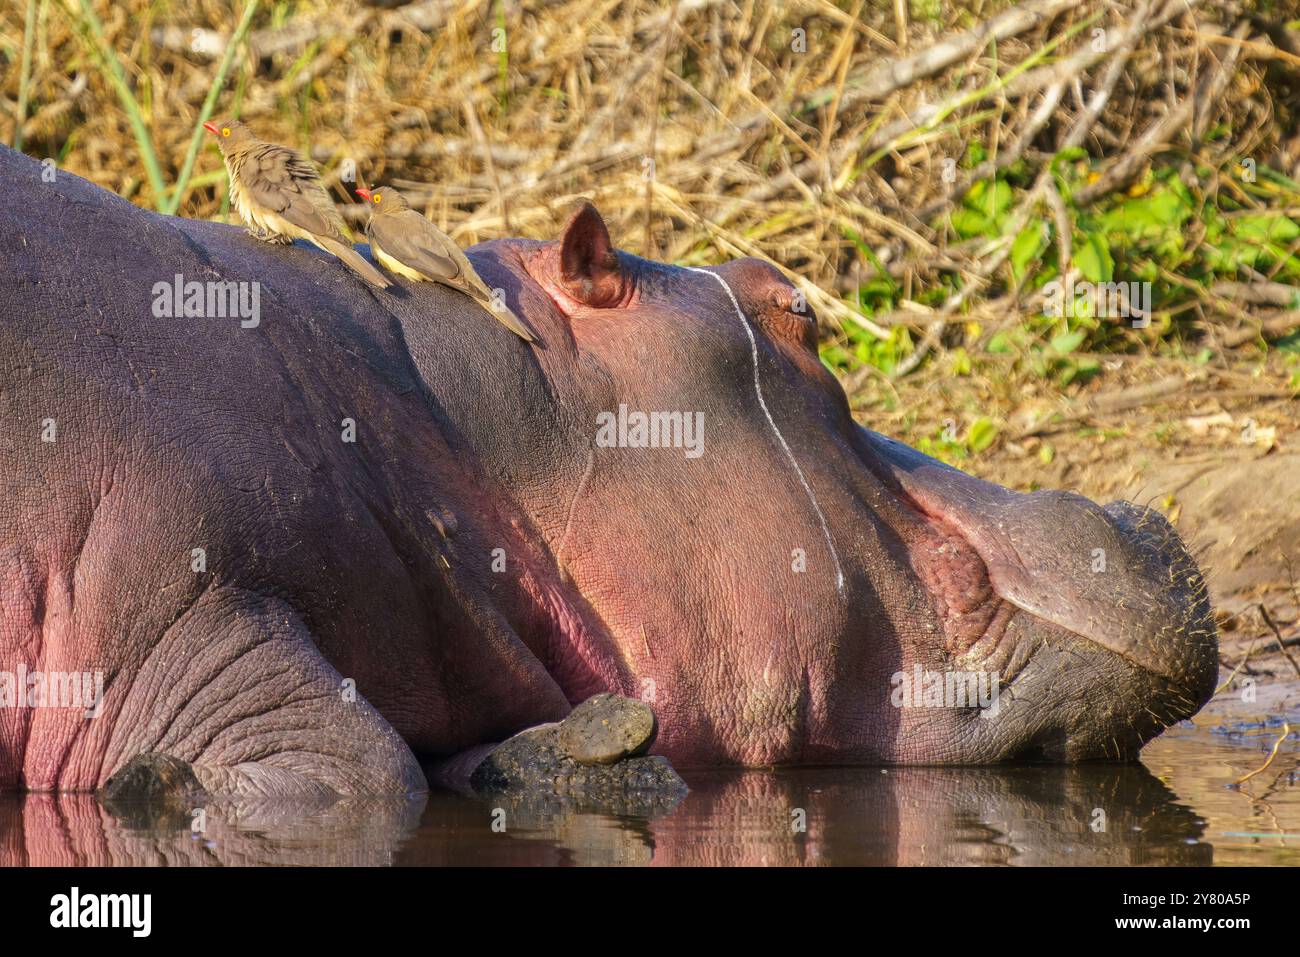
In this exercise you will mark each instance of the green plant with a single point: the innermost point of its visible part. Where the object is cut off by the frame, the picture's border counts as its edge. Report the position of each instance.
(90, 30)
(173, 201)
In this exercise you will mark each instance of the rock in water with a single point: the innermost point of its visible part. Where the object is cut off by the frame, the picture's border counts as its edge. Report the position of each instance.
(606, 728)
(592, 757)
(153, 791)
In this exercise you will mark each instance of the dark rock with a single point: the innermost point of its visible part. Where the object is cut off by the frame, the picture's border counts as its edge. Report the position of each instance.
(606, 728)
(153, 790)
(533, 761)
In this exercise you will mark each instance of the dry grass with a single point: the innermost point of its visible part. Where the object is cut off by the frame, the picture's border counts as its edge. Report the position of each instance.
(708, 129)
(831, 139)
(757, 148)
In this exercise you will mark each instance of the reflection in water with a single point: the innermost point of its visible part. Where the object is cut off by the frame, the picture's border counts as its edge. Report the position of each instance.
(1100, 814)
(75, 829)
(849, 816)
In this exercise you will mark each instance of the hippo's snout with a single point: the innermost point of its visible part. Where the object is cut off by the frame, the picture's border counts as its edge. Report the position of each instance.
(1118, 577)
(1173, 633)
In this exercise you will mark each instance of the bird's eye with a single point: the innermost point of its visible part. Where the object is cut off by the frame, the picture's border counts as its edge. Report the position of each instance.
(378, 198)
(225, 131)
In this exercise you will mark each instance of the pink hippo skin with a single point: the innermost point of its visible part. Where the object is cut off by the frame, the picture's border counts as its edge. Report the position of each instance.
(473, 562)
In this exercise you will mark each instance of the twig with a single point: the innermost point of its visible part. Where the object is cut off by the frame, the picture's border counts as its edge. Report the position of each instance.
(1277, 636)
(1111, 402)
(1271, 327)
(1286, 731)
(1261, 50)
(895, 74)
(1235, 671)
(1261, 293)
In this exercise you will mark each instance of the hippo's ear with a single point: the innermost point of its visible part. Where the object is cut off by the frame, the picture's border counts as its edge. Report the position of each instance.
(589, 266)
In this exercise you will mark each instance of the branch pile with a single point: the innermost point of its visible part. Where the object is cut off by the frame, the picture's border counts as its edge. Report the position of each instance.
(837, 142)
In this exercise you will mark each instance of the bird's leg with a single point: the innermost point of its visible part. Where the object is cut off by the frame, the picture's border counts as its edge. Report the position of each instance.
(266, 236)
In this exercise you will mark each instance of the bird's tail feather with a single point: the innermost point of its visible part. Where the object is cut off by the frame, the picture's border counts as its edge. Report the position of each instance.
(507, 318)
(355, 261)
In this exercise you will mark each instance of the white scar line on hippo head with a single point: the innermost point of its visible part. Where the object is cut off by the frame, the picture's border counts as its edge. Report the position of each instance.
(762, 403)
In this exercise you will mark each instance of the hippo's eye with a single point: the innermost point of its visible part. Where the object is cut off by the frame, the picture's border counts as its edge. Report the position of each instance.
(783, 300)
(786, 314)
(225, 131)
(792, 301)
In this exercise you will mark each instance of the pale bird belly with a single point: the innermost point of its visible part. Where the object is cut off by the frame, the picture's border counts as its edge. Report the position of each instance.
(257, 216)
(393, 266)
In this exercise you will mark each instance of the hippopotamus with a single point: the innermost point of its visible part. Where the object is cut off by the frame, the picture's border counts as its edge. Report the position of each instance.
(321, 546)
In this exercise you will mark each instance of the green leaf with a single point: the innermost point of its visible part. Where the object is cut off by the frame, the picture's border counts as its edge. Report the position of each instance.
(961, 364)
(999, 344)
(991, 199)
(1029, 243)
(968, 222)
(1069, 155)
(1093, 258)
(1265, 229)
(1067, 342)
(1153, 215)
(981, 435)
(1003, 197)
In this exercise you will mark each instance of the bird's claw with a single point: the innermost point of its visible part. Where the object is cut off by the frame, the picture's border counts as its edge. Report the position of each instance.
(274, 239)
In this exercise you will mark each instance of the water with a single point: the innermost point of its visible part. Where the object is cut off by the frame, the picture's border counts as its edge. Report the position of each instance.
(1175, 807)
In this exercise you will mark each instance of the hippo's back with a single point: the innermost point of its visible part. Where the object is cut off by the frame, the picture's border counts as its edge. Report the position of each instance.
(152, 461)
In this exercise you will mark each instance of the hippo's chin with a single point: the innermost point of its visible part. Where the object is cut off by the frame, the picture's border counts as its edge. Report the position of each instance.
(1060, 696)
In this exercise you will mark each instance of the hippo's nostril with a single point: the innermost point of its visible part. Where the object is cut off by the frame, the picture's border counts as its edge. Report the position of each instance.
(1185, 647)
(1048, 746)
(1146, 526)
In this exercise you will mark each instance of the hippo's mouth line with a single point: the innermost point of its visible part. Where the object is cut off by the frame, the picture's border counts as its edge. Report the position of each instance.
(969, 610)
(989, 641)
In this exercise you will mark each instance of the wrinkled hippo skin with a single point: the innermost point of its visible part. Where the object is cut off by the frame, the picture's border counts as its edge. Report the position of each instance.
(312, 550)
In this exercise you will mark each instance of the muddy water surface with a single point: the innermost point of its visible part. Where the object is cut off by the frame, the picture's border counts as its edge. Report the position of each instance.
(1178, 806)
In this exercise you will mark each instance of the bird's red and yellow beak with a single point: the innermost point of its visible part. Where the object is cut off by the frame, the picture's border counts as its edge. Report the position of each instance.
(363, 193)
(212, 128)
